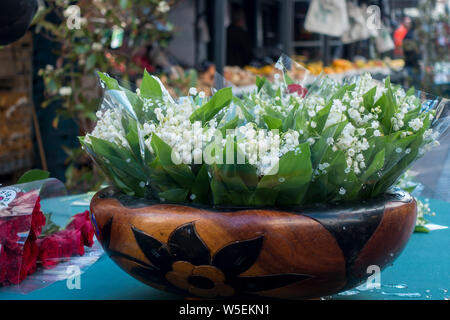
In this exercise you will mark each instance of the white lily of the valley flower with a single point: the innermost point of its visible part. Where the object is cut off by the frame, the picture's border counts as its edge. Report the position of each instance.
(163, 7)
(65, 91)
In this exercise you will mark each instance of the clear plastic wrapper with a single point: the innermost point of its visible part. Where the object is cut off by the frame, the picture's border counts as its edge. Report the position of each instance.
(432, 171)
(40, 237)
(338, 142)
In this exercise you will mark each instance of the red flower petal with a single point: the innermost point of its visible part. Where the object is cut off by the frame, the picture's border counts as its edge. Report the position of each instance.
(49, 251)
(301, 91)
(29, 258)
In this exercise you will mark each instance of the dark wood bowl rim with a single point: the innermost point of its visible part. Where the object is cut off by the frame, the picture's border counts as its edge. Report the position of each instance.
(131, 202)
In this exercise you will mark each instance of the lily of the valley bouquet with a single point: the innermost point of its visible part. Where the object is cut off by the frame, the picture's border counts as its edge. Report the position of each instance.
(283, 144)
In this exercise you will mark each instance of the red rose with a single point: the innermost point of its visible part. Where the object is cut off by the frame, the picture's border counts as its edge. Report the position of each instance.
(301, 91)
(78, 220)
(10, 261)
(8, 231)
(3, 264)
(11, 226)
(88, 233)
(73, 241)
(29, 258)
(38, 219)
(83, 223)
(65, 245)
(49, 251)
(78, 242)
(17, 261)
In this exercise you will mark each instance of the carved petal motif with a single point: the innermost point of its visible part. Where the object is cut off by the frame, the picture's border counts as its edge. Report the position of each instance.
(106, 234)
(185, 245)
(238, 257)
(155, 251)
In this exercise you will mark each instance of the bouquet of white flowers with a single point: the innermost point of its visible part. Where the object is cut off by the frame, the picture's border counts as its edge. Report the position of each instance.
(281, 145)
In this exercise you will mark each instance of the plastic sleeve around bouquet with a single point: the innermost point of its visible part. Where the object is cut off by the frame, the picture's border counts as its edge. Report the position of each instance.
(431, 173)
(333, 141)
(124, 154)
(30, 216)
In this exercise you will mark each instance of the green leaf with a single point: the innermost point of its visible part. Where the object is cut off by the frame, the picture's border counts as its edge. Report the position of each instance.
(326, 186)
(120, 166)
(50, 226)
(414, 113)
(106, 148)
(137, 104)
(369, 98)
(232, 124)
(150, 87)
(132, 137)
(248, 116)
(201, 187)
(181, 173)
(288, 79)
(272, 122)
(220, 100)
(291, 178)
(229, 189)
(260, 81)
(421, 229)
(387, 111)
(162, 150)
(321, 148)
(174, 195)
(395, 171)
(130, 168)
(220, 193)
(279, 95)
(33, 175)
(391, 101)
(111, 83)
(289, 121)
(322, 116)
(376, 165)
(411, 91)
(301, 119)
(107, 168)
(393, 142)
(410, 189)
(234, 182)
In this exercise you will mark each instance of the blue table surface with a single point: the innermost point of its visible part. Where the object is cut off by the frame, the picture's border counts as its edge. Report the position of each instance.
(422, 271)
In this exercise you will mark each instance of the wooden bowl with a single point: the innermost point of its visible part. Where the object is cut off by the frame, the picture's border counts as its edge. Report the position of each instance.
(301, 252)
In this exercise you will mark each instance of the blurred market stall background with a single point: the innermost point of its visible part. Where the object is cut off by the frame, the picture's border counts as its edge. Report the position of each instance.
(49, 93)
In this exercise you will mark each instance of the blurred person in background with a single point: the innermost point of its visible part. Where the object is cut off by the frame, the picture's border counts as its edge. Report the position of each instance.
(400, 34)
(15, 18)
(239, 44)
(412, 56)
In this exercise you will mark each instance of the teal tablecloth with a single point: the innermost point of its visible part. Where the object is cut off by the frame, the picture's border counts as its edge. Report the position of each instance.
(421, 272)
